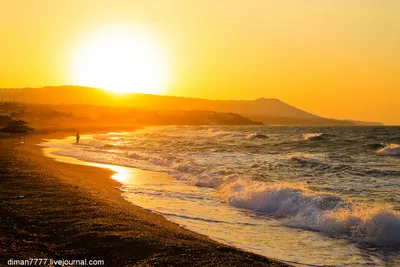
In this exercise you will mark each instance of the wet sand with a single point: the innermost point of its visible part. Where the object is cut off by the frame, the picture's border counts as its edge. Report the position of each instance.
(59, 210)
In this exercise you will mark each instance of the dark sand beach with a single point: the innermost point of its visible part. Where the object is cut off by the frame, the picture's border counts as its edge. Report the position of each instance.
(58, 210)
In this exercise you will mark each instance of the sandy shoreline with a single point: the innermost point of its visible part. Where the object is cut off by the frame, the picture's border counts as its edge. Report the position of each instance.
(60, 210)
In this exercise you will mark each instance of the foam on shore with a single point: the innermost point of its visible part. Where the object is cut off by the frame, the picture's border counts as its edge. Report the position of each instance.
(326, 213)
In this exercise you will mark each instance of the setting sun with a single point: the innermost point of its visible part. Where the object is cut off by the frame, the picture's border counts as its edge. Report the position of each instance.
(121, 61)
(200, 133)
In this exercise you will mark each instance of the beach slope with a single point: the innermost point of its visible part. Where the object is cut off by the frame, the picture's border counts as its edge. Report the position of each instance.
(58, 210)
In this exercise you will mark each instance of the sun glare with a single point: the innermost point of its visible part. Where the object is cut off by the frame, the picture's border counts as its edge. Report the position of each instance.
(121, 61)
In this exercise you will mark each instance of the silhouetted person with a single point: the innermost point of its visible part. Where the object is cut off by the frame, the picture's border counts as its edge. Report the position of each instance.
(77, 138)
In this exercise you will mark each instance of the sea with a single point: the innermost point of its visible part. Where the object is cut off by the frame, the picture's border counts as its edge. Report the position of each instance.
(323, 196)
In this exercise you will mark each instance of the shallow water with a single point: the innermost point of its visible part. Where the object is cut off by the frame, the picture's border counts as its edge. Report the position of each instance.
(312, 196)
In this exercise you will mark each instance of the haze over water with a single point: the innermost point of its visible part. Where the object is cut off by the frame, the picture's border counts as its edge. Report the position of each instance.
(311, 196)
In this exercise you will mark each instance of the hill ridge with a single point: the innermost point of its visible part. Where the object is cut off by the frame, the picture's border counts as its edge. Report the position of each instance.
(270, 111)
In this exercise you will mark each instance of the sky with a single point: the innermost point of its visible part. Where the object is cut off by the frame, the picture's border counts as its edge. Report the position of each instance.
(337, 59)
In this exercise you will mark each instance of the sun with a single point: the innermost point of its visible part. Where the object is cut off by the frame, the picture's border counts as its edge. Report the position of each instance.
(121, 61)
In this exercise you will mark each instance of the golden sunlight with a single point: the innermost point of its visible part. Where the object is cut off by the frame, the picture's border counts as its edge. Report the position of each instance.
(121, 61)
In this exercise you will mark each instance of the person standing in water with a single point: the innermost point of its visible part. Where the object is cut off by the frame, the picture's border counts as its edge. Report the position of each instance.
(77, 138)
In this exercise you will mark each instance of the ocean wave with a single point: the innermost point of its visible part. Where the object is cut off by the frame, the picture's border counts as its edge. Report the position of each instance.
(315, 136)
(314, 163)
(109, 136)
(183, 169)
(157, 160)
(329, 214)
(251, 136)
(256, 136)
(202, 219)
(390, 150)
(216, 133)
(375, 146)
(295, 206)
(121, 146)
(341, 165)
(303, 160)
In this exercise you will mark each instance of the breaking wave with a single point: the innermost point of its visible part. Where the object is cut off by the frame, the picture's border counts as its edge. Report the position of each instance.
(250, 136)
(390, 150)
(315, 136)
(325, 213)
(256, 136)
(295, 206)
(230, 169)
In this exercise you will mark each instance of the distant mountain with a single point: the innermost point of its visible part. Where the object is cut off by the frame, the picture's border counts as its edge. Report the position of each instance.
(364, 123)
(268, 111)
(262, 106)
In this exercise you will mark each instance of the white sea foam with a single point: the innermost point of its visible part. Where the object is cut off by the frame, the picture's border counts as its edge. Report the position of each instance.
(390, 150)
(157, 160)
(300, 208)
(250, 136)
(255, 136)
(314, 136)
(295, 206)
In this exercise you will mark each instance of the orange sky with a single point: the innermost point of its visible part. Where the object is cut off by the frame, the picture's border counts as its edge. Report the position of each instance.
(334, 58)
